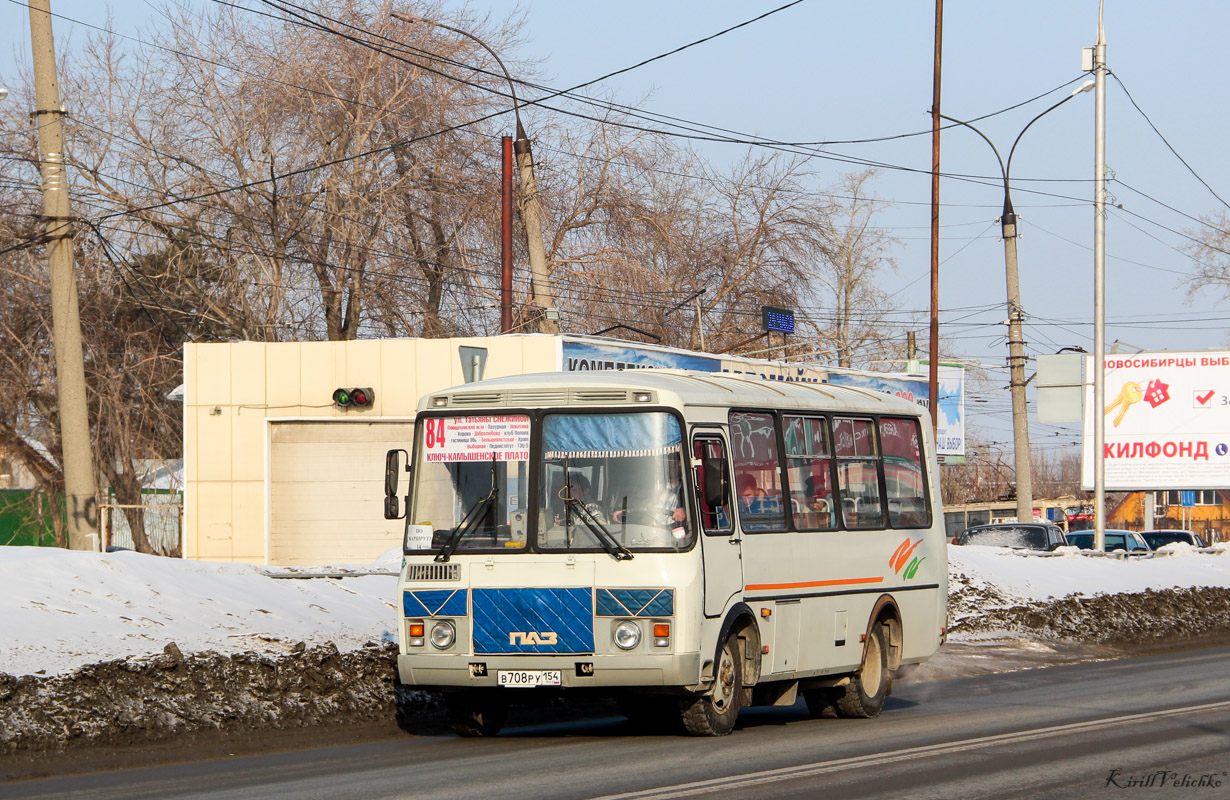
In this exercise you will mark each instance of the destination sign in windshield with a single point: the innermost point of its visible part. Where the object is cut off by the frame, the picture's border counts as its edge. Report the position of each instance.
(485, 438)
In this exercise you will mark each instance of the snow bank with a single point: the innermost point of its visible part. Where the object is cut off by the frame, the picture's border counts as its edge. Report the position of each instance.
(1026, 576)
(64, 609)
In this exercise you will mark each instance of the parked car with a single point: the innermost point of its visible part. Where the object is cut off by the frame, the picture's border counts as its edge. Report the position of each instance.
(1130, 542)
(1157, 539)
(1017, 535)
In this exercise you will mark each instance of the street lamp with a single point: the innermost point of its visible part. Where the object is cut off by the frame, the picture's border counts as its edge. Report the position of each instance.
(531, 212)
(1016, 345)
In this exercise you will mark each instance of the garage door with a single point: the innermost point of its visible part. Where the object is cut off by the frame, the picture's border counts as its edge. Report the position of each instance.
(327, 491)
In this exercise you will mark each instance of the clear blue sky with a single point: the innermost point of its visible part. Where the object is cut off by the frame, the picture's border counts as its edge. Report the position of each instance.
(832, 69)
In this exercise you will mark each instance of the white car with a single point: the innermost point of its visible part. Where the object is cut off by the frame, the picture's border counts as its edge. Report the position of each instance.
(1130, 542)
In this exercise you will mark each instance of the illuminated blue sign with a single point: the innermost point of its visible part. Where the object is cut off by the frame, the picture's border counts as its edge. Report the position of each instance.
(777, 319)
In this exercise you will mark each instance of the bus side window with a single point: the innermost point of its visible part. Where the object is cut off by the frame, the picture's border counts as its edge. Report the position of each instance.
(904, 479)
(710, 462)
(758, 490)
(858, 473)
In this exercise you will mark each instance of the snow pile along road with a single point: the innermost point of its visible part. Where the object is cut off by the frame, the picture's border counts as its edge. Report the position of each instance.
(1180, 593)
(123, 648)
(64, 609)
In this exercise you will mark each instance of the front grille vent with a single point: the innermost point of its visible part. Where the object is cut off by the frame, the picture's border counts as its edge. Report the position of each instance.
(599, 396)
(433, 572)
(472, 399)
(536, 398)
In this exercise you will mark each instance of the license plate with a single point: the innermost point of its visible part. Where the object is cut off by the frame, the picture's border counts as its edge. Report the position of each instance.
(528, 677)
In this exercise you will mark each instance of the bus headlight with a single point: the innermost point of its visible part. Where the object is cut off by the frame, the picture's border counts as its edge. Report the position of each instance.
(443, 634)
(626, 635)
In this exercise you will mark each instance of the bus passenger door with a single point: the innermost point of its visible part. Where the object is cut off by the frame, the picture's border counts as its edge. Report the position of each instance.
(721, 548)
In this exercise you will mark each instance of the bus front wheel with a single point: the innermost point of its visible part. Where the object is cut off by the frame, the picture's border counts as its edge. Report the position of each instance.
(714, 713)
(475, 714)
(864, 695)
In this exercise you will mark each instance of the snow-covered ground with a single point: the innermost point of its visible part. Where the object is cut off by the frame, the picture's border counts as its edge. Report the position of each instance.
(61, 609)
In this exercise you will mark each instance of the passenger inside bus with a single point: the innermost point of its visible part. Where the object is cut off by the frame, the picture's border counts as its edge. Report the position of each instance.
(577, 488)
(812, 508)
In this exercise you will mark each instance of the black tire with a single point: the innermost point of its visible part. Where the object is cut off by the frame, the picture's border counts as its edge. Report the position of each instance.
(821, 703)
(714, 713)
(863, 697)
(654, 714)
(412, 709)
(475, 714)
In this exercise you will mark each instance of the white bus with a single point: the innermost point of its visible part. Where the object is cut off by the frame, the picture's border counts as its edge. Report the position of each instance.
(688, 542)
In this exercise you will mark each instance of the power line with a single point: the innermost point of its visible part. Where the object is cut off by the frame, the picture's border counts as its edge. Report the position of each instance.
(1167, 143)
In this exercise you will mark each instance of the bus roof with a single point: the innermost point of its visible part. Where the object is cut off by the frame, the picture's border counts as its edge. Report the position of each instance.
(672, 387)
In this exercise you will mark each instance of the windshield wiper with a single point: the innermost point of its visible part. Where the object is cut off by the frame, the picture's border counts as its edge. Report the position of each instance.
(604, 536)
(470, 520)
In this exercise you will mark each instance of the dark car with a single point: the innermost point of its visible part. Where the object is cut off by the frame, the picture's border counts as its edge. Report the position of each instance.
(1158, 539)
(1017, 535)
(1130, 542)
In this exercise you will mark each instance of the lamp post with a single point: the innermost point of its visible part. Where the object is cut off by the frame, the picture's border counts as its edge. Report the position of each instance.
(531, 211)
(1016, 345)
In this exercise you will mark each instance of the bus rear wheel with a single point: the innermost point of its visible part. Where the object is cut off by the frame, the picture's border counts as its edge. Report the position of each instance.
(714, 713)
(475, 714)
(863, 696)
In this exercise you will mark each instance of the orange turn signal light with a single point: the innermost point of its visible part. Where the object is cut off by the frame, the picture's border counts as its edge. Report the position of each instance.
(416, 629)
(661, 630)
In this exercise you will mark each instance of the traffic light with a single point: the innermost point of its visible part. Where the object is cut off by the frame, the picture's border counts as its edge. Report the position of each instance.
(357, 398)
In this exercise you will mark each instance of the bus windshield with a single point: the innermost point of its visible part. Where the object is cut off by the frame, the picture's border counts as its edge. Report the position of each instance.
(612, 477)
(470, 484)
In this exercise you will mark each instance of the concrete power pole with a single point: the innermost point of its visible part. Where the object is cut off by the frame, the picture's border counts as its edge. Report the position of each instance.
(78, 461)
(531, 216)
(1016, 372)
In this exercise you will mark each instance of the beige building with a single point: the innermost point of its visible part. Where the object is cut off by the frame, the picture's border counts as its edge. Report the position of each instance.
(276, 473)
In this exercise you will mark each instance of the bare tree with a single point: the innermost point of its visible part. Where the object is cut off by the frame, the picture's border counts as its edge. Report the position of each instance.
(850, 257)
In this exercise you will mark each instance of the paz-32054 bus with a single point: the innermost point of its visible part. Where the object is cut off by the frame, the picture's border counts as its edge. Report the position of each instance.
(688, 542)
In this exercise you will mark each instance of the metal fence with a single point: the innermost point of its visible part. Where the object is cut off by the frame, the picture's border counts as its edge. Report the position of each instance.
(164, 518)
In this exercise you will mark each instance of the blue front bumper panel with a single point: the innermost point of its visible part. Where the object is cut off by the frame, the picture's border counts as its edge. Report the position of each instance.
(636, 602)
(536, 620)
(434, 603)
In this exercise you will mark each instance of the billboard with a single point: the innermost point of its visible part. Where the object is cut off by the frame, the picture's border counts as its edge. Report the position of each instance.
(950, 427)
(579, 354)
(1167, 421)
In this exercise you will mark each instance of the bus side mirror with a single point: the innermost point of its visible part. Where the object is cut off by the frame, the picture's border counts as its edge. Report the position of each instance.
(392, 475)
(715, 484)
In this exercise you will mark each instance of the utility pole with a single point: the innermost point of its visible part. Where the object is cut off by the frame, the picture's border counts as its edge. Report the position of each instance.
(80, 493)
(933, 366)
(1099, 289)
(506, 160)
(1016, 370)
(531, 217)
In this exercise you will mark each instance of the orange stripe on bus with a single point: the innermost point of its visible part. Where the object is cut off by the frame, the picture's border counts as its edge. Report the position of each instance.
(809, 584)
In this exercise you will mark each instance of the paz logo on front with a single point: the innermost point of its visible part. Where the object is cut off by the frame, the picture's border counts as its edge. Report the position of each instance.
(533, 637)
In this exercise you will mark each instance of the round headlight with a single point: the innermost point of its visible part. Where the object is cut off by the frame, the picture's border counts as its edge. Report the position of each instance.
(443, 634)
(627, 635)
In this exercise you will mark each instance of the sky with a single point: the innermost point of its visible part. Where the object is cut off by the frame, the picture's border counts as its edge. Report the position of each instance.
(232, 608)
(827, 70)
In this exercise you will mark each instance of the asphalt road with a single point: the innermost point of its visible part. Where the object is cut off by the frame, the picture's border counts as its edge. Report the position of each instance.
(1078, 731)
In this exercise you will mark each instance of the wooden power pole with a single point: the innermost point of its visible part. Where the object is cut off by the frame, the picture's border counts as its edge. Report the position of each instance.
(77, 459)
